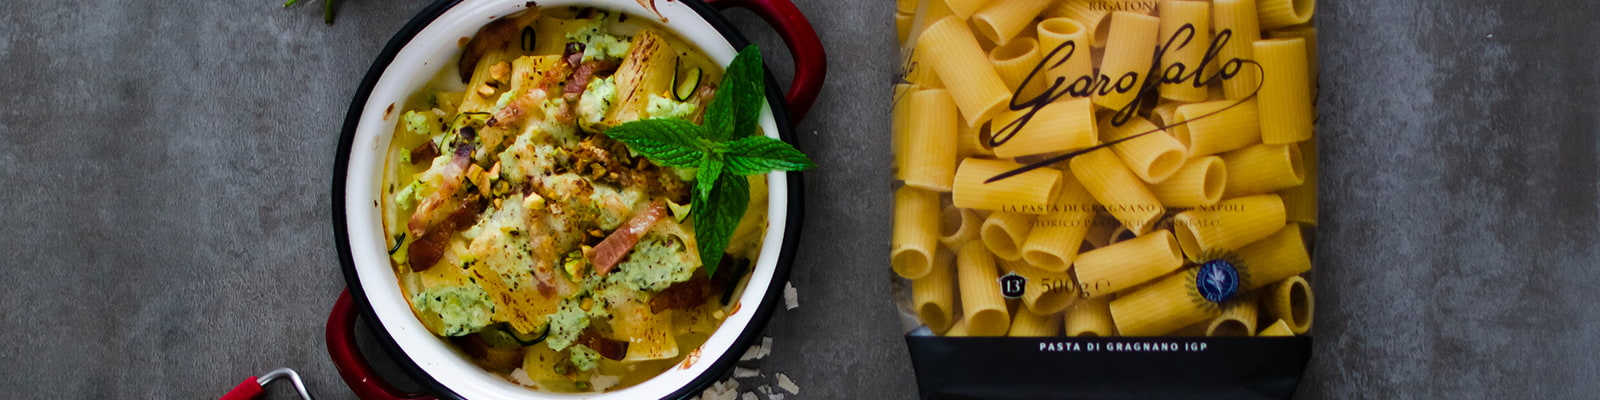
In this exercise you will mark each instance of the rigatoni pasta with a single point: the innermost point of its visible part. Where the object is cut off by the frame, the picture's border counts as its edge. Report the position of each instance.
(1228, 226)
(1002, 20)
(1014, 62)
(982, 306)
(1274, 14)
(1128, 263)
(1116, 188)
(934, 296)
(1238, 19)
(930, 162)
(1029, 191)
(1090, 318)
(1106, 168)
(916, 237)
(1263, 168)
(1053, 243)
(1290, 300)
(1060, 126)
(1285, 97)
(1199, 182)
(1149, 152)
(1129, 48)
(1004, 232)
(1185, 34)
(949, 47)
(1066, 39)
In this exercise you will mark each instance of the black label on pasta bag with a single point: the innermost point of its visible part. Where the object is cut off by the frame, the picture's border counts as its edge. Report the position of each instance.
(951, 368)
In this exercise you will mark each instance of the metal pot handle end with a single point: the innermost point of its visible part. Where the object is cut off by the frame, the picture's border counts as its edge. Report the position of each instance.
(357, 373)
(810, 62)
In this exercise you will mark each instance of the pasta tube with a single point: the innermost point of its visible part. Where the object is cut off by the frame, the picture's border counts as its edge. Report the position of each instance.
(1187, 51)
(1090, 318)
(1002, 20)
(1238, 19)
(1096, 20)
(1014, 61)
(934, 294)
(1309, 34)
(1228, 226)
(981, 304)
(1300, 202)
(1130, 46)
(1053, 243)
(1164, 115)
(1102, 230)
(1152, 156)
(949, 47)
(958, 329)
(1291, 301)
(972, 142)
(1127, 264)
(931, 141)
(902, 26)
(1117, 189)
(1274, 14)
(1217, 126)
(1162, 306)
(1285, 91)
(1238, 318)
(1004, 232)
(1263, 168)
(1199, 182)
(1076, 68)
(1028, 192)
(1279, 328)
(916, 232)
(960, 226)
(1060, 126)
(1029, 324)
(1277, 257)
(965, 8)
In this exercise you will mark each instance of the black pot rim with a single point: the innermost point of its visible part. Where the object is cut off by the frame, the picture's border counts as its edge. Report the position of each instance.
(763, 312)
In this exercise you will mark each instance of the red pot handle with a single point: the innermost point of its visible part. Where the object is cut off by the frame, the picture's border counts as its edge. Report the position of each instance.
(249, 390)
(810, 62)
(357, 373)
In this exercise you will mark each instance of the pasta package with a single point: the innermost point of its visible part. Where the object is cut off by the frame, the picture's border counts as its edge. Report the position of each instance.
(1113, 198)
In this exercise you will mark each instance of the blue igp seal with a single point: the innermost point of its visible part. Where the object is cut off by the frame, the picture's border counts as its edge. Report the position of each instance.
(1217, 281)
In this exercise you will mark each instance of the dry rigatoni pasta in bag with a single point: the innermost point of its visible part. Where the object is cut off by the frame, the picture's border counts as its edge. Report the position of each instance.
(1105, 198)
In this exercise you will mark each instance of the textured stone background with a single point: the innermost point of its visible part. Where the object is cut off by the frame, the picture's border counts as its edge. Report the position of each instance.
(166, 168)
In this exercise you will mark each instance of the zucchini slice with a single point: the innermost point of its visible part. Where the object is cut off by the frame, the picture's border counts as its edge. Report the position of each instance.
(684, 84)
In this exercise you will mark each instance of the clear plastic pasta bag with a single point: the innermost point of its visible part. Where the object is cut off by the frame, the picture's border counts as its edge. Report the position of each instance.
(1105, 198)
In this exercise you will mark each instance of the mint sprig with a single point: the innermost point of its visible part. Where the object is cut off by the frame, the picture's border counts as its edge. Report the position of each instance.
(725, 148)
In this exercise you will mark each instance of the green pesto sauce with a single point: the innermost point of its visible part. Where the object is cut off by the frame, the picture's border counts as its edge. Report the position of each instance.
(656, 262)
(566, 324)
(463, 309)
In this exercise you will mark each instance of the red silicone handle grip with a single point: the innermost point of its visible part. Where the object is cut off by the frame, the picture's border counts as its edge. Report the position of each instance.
(341, 337)
(249, 390)
(810, 62)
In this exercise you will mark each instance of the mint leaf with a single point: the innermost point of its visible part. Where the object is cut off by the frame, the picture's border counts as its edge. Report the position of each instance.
(666, 142)
(761, 154)
(736, 109)
(716, 218)
(706, 177)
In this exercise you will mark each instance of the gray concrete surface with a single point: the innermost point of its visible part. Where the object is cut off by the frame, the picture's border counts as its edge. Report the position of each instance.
(166, 168)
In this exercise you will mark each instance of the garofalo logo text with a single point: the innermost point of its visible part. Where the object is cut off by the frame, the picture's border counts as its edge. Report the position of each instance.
(1102, 85)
